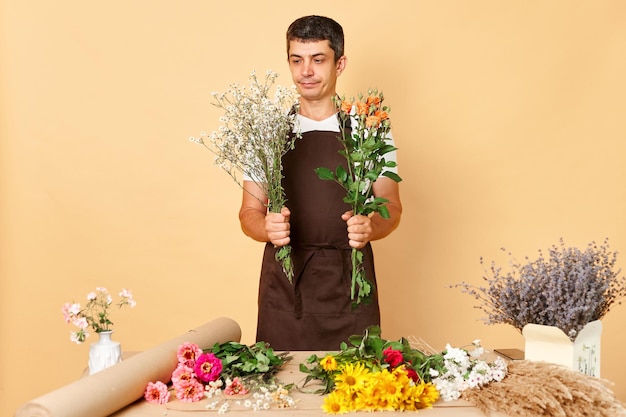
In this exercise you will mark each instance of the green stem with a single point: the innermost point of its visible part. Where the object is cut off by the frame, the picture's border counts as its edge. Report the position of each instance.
(354, 273)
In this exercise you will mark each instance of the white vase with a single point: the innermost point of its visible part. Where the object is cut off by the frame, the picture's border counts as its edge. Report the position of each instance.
(104, 353)
(551, 344)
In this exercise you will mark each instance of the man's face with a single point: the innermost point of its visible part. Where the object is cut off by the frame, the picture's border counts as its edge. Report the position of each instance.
(313, 69)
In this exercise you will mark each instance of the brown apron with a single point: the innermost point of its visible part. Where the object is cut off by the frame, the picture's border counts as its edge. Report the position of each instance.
(315, 313)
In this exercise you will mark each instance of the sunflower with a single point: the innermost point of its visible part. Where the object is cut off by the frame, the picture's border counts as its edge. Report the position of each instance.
(329, 363)
(390, 391)
(351, 378)
(336, 403)
(373, 397)
(429, 396)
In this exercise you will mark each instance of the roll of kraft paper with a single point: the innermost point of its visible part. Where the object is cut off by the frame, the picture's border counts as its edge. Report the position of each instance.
(112, 389)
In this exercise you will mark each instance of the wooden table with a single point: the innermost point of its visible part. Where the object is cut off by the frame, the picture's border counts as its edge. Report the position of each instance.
(307, 405)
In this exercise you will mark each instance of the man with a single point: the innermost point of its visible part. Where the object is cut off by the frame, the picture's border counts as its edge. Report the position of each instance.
(315, 312)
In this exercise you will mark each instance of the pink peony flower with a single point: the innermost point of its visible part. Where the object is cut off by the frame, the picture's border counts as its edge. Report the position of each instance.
(157, 393)
(392, 357)
(208, 367)
(190, 391)
(235, 387)
(188, 353)
(182, 374)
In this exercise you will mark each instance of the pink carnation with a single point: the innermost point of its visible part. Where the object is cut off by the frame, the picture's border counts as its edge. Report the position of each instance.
(208, 367)
(191, 391)
(188, 353)
(157, 393)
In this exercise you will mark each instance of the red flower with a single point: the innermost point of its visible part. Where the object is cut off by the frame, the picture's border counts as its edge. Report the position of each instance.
(413, 375)
(392, 357)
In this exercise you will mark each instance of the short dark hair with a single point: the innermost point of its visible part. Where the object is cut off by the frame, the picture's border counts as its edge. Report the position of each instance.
(317, 28)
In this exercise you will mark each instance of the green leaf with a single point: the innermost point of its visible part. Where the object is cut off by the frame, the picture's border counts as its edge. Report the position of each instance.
(342, 174)
(325, 173)
(231, 358)
(372, 175)
(392, 175)
(369, 144)
(374, 331)
(356, 156)
(386, 149)
(262, 363)
(384, 212)
(380, 200)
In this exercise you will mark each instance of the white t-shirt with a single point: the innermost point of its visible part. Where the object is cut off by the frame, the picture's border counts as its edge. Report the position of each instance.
(331, 124)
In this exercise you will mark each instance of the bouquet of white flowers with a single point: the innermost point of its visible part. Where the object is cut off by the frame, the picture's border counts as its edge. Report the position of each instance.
(255, 134)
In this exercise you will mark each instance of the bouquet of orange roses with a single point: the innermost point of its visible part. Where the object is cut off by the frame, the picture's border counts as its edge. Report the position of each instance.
(365, 145)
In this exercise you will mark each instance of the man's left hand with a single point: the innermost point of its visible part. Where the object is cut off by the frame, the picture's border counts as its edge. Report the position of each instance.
(359, 229)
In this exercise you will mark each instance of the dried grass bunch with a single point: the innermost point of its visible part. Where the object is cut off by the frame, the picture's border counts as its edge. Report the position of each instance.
(533, 389)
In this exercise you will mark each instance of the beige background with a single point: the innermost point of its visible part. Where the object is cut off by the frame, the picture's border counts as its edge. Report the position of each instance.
(508, 116)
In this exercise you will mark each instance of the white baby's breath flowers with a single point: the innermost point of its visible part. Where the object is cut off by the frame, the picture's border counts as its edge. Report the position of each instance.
(223, 408)
(463, 370)
(270, 396)
(257, 130)
(212, 405)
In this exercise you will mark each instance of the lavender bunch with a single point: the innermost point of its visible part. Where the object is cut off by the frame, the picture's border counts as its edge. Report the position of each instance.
(567, 288)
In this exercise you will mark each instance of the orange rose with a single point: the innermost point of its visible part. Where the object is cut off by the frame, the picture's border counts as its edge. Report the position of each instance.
(375, 100)
(346, 106)
(361, 108)
(382, 114)
(372, 121)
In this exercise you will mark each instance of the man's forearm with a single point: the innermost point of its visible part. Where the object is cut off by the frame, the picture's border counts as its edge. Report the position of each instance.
(382, 227)
(253, 225)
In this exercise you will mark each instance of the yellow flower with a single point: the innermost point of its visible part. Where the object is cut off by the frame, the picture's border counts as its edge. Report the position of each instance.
(429, 396)
(411, 397)
(390, 388)
(352, 377)
(329, 363)
(336, 403)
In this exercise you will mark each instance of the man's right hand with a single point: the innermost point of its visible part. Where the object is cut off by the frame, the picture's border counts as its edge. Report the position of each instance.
(277, 227)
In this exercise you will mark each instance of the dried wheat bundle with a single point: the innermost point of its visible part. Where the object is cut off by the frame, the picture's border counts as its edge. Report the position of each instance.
(533, 389)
